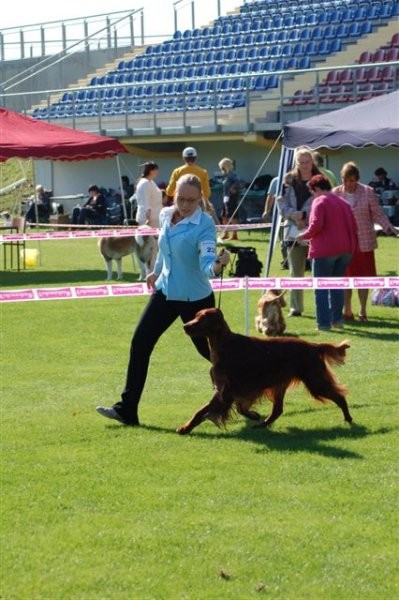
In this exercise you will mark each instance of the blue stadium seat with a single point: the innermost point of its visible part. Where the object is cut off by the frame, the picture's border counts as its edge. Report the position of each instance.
(187, 46)
(304, 62)
(110, 79)
(233, 68)
(287, 50)
(177, 60)
(217, 43)
(260, 38)
(271, 37)
(199, 58)
(354, 30)
(279, 64)
(366, 28)
(188, 59)
(238, 84)
(196, 45)
(329, 32)
(318, 33)
(252, 53)
(336, 46)
(200, 71)
(209, 57)
(294, 35)
(323, 47)
(177, 47)
(157, 50)
(228, 41)
(311, 48)
(230, 55)
(241, 54)
(264, 51)
(212, 70)
(256, 66)
(342, 30)
(306, 34)
(272, 82)
(276, 51)
(249, 39)
(291, 64)
(387, 10)
(282, 36)
(244, 68)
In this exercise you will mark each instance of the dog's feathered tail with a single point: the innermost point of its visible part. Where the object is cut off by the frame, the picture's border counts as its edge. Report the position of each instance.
(334, 354)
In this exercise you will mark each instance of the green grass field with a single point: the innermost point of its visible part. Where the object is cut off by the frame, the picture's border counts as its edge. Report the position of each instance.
(91, 509)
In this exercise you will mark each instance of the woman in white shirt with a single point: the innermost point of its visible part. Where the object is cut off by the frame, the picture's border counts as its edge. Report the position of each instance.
(149, 205)
(148, 196)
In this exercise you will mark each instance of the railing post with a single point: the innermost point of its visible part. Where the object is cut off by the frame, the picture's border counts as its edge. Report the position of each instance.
(22, 43)
(109, 39)
(64, 37)
(192, 15)
(2, 57)
(131, 27)
(42, 41)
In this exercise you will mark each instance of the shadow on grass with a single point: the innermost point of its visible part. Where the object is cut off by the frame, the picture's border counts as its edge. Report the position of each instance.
(48, 278)
(292, 439)
(371, 329)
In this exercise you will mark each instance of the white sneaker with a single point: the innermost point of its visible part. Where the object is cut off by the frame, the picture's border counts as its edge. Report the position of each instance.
(109, 413)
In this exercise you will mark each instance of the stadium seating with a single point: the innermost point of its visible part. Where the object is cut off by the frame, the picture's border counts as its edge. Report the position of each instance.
(261, 37)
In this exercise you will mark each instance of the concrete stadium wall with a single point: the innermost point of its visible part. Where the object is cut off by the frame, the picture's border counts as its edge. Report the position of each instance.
(59, 76)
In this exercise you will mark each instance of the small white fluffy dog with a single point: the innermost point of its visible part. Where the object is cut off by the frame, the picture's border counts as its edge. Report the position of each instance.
(115, 248)
(270, 320)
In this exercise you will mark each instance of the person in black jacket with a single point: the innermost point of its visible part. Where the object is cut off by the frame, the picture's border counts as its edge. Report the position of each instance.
(93, 211)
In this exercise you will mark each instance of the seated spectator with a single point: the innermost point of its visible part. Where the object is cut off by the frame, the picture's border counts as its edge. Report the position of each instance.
(93, 211)
(381, 182)
(40, 206)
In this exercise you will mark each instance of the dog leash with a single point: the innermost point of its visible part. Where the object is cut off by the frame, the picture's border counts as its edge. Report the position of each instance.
(220, 289)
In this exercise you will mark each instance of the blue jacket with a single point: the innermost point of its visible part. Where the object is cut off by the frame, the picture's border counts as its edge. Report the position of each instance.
(187, 252)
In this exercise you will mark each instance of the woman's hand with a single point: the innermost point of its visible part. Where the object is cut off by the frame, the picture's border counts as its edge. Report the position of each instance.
(224, 257)
(151, 279)
(222, 261)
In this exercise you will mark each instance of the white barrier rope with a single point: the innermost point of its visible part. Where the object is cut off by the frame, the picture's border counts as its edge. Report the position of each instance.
(227, 285)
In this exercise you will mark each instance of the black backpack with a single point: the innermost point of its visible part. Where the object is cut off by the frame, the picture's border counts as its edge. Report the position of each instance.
(247, 263)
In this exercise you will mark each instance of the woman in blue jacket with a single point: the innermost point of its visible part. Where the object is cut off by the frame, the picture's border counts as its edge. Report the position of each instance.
(180, 284)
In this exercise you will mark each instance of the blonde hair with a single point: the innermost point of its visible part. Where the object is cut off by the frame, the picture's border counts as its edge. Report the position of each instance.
(350, 169)
(226, 164)
(195, 182)
(295, 172)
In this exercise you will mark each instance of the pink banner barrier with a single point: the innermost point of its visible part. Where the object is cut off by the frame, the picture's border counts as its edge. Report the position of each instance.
(82, 232)
(227, 285)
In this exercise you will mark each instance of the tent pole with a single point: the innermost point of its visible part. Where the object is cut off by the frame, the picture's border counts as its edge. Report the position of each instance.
(284, 166)
(36, 213)
(125, 218)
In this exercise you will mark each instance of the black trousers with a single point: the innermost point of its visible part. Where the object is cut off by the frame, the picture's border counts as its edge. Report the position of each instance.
(157, 317)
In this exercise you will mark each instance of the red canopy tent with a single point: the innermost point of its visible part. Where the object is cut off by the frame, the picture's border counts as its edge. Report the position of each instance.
(24, 137)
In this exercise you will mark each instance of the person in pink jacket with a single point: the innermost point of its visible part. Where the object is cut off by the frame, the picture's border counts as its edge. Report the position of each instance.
(332, 242)
(367, 211)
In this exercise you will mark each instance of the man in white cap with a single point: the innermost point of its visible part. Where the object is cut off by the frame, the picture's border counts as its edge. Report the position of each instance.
(189, 167)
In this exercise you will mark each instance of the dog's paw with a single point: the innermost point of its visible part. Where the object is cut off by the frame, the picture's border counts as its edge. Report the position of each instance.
(183, 430)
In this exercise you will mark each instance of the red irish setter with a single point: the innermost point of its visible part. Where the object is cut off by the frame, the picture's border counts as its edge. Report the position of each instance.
(245, 369)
